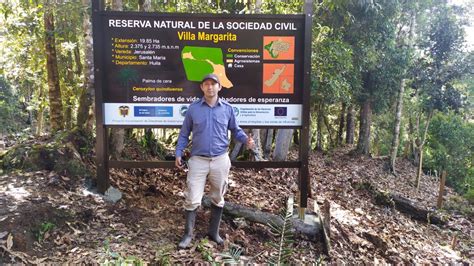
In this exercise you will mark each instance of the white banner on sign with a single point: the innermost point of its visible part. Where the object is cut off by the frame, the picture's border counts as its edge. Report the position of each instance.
(173, 114)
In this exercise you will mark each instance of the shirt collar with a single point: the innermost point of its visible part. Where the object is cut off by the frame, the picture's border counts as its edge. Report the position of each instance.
(219, 101)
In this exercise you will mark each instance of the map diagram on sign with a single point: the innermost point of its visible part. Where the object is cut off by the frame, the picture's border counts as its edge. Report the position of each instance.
(279, 48)
(278, 78)
(200, 61)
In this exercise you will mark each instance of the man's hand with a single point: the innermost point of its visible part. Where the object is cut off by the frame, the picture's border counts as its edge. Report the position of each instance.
(250, 143)
(178, 163)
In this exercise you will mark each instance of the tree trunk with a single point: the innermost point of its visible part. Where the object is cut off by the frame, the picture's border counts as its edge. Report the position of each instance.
(402, 204)
(350, 125)
(117, 5)
(163, 133)
(296, 137)
(258, 6)
(340, 131)
(68, 115)
(85, 109)
(257, 150)
(396, 129)
(77, 60)
(40, 117)
(406, 149)
(420, 150)
(235, 151)
(144, 5)
(265, 218)
(411, 130)
(332, 142)
(117, 135)
(375, 148)
(267, 149)
(442, 183)
(69, 92)
(55, 101)
(363, 144)
(312, 142)
(319, 128)
(282, 144)
(419, 169)
(25, 104)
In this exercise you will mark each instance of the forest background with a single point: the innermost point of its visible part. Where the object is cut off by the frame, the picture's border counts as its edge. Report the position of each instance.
(391, 85)
(394, 78)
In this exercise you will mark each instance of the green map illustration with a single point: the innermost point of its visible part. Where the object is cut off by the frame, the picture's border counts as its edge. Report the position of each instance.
(274, 48)
(200, 61)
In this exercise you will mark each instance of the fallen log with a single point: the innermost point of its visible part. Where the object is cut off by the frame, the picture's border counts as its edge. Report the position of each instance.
(402, 204)
(406, 206)
(312, 232)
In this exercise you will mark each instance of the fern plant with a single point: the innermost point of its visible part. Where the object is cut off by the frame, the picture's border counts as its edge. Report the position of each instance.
(283, 231)
(232, 256)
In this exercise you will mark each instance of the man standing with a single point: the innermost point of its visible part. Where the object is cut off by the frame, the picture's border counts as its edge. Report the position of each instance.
(209, 119)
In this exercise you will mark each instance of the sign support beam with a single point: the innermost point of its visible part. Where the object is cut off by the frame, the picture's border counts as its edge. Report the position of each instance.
(101, 130)
(304, 180)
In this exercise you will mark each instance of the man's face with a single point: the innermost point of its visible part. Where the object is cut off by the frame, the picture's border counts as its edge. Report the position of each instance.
(210, 88)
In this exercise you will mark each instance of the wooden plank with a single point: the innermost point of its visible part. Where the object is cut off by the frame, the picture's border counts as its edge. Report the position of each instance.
(442, 182)
(325, 221)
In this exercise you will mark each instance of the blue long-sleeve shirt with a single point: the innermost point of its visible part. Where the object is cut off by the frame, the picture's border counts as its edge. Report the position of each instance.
(210, 126)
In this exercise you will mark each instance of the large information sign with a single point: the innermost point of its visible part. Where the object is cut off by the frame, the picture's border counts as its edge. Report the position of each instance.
(155, 62)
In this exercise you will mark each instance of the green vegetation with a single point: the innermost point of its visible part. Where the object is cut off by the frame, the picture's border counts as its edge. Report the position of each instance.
(368, 57)
(12, 117)
(233, 255)
(163, 255)
(283, 233)
(203, 248)
(115, 259)
(44, 229)
(450, 148)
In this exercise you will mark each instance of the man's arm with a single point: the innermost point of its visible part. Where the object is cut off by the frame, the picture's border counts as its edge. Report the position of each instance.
(238, 133)
(183, 138)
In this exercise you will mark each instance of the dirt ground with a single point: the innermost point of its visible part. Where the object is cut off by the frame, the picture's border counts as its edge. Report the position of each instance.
(46, 217)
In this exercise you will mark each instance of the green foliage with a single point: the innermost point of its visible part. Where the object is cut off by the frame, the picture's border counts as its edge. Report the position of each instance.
(332, 68)
(461, 204)
(470, 195)
(383, 133)
(443, 61)
(176, 6)
(115, 259)
(283, 233)
(59, 154)
(450, 147)
(150, 142)
(22, 47)
(233, 255)
(378, 61)
(282, 7)
(12, 118)
(204, 249)
(23, 61)
(163, 255)
(321, 260)
(44, 228)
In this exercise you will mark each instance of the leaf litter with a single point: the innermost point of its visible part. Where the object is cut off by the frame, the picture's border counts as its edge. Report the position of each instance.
(148, 222)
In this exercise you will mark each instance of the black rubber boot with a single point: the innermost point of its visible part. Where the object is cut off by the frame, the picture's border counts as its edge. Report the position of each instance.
(188, 229)
(213, 233)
